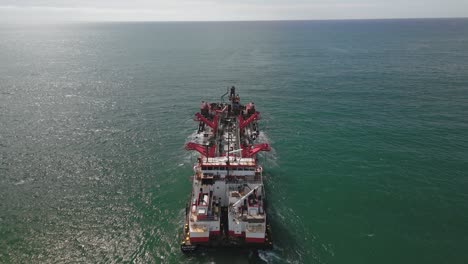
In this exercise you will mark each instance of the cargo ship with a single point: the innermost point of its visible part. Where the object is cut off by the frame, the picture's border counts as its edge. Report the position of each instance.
(227, 205)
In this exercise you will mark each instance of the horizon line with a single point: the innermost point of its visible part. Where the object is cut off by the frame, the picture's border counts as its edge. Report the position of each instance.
(247, 20)
(285, 20)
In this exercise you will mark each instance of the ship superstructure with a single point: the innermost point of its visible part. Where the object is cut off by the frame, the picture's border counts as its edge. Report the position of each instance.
(227, 203)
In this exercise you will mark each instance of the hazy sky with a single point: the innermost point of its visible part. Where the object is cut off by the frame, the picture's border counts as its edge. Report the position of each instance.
(31, 11)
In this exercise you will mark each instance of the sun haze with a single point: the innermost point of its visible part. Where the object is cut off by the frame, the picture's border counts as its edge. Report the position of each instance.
(33, 11)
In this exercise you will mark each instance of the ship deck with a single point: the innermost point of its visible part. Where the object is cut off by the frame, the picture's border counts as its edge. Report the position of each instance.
(224, 240)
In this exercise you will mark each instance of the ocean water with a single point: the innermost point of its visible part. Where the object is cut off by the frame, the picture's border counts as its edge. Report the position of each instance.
(368, 121)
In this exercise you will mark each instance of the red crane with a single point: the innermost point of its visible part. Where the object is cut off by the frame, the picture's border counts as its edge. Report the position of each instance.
(213, 124)
(205, 150)
(243, 123)
(250, 151)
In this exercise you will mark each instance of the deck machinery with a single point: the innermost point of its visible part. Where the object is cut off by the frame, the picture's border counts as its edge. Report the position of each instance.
(227, 205)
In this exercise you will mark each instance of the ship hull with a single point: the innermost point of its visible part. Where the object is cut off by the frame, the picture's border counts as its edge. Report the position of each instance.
(227, 206)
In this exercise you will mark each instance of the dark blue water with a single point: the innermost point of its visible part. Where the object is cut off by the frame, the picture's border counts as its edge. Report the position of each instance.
(368, 121)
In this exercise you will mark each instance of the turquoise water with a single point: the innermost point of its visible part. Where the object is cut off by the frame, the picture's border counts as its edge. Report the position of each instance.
(368, 121)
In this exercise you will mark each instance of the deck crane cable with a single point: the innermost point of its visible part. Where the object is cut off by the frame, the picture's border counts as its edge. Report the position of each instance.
(222, 96)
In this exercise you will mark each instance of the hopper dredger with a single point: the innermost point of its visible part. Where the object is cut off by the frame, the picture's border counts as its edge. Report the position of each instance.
(227, 206)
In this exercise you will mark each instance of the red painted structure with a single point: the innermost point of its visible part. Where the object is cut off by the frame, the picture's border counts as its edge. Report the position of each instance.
(254, 240)
(215, 233)
(251, 151)
(199, 239)
(243, 123)
(204, 150)
(213, 124)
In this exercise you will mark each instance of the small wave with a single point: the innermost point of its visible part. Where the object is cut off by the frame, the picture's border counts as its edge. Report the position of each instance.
(270, 256)
(195, 137)
(19, 182)
(188, 157)
(338, 50)
(270, 158)
(263, 138)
